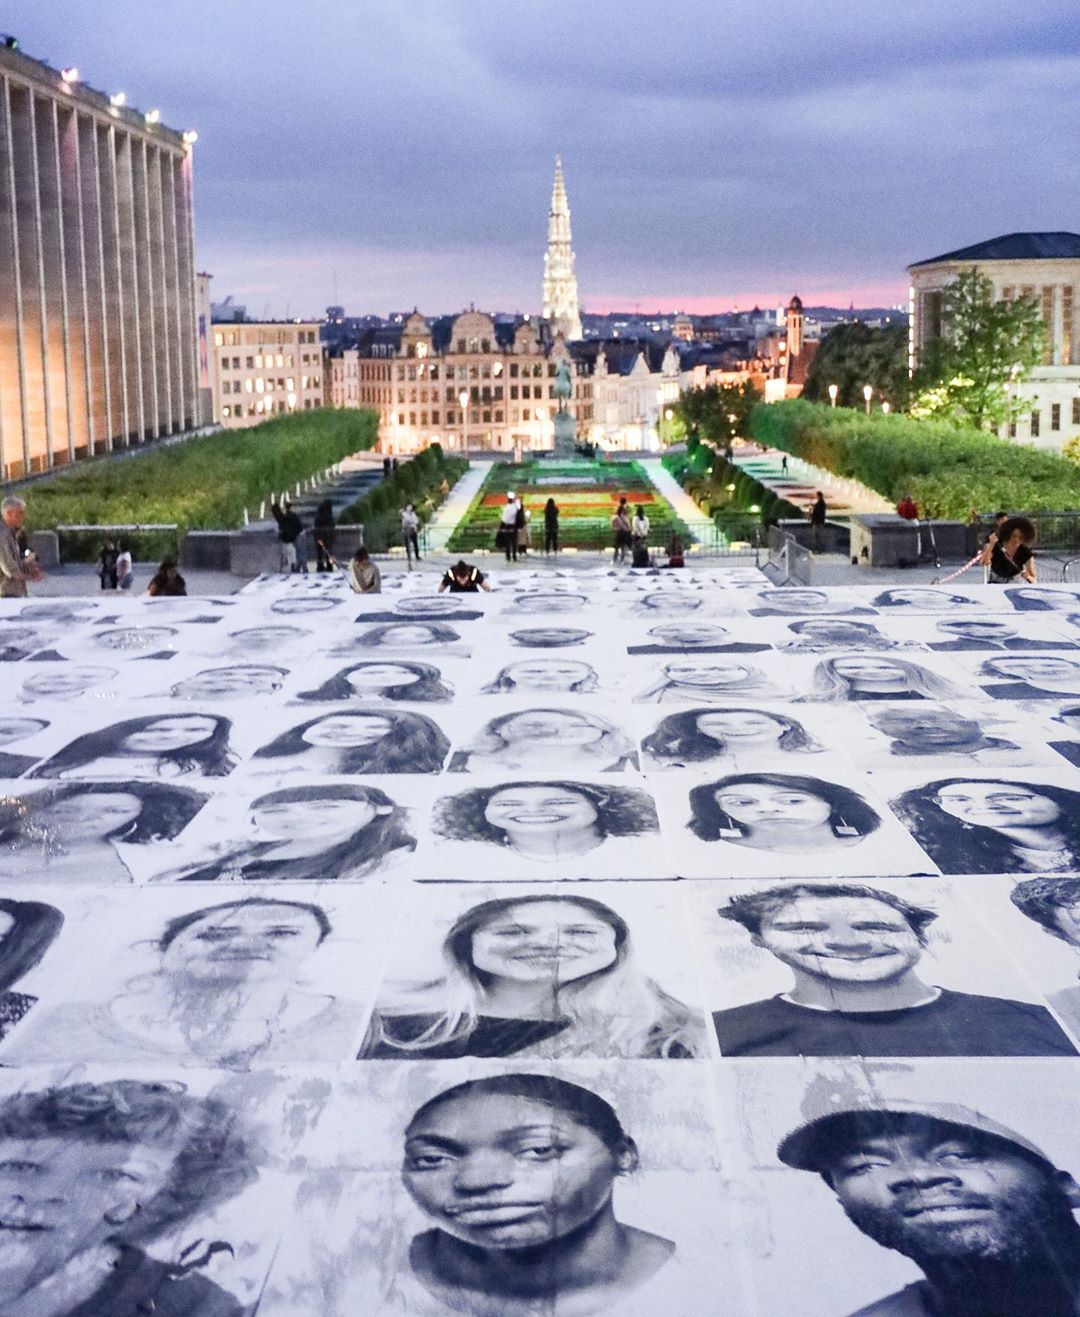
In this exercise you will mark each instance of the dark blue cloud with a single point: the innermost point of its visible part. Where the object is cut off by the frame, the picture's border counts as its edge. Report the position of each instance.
(406, 149)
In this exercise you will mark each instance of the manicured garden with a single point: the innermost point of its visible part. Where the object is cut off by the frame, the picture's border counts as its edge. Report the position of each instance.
(948, 470)
(586, 494)
(204, 483)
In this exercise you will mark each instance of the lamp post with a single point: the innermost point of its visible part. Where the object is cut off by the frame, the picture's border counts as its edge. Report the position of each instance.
(463, 400)
(834, 389)
(886, 407)
(867, 393)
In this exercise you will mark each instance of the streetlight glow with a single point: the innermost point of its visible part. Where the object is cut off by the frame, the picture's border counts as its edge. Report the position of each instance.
(118, 99)
(834, 390)
(152, 116)
(70, 75)
(868, 393)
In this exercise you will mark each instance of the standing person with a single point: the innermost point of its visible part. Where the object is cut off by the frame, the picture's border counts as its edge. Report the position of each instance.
(125, 568)
(818, 513)
(107, 560)
(551, 526)
(521, 525)
(981, 1210)
(364, 575)
(463, 578)
(410, 531)
(506, 537)
(783, 465)
(290, 528)
(639, 527)
(166, 581)
(623, 532)
(16, 567)
(1011, 554)
(324, 536)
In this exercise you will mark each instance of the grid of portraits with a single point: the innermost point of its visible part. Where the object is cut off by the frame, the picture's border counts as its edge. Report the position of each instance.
(607, 943)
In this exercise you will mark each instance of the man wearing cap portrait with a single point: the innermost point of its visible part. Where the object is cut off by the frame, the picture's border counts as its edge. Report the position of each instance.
(979, 1208)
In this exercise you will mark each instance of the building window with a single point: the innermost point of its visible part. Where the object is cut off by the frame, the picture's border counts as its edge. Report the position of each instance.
(513, 370)
(1035, 425)
(1055, 416)
(525, 414)
(1076, 411)
(435, 418)
(249, 363)
(513, 392)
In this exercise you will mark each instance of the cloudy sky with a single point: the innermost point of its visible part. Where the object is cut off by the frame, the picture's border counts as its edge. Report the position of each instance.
(391, 153)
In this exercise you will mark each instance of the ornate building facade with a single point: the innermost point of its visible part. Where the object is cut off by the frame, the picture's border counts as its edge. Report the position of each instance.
(561, 307)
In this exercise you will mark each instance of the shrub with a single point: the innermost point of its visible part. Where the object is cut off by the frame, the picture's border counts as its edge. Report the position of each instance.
(948, 471)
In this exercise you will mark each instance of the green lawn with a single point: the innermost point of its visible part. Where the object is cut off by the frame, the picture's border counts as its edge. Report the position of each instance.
(586, 493)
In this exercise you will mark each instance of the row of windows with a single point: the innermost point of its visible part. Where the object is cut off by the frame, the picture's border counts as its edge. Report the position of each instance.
(478, 415)
(233, 338)
(260, 385)
(1035, 419)
(263, 407)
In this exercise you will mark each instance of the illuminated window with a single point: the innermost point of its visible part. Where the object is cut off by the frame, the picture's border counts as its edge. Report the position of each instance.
(249, 386)
(219, 340)
(258, 361)
(260, 385)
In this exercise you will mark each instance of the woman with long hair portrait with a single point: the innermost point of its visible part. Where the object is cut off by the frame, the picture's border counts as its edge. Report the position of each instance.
(922, 599)
(1031, 677)
(987, 825)
(517, 1174)
(225, 988)
(546, 821)
(1041, 599)
(548, 740)
(815, 635)
(550, 976)
(27, 930)
(780, 812)
(159, 745)
(692, 681)
(544, 674)
(414, 683)
(376, 741)
(327, 832)
(73, 832)
(875, 677)
(403, 638)
(699, 736)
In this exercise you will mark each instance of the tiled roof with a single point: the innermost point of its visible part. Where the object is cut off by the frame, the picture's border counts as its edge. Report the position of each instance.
(1015, 247)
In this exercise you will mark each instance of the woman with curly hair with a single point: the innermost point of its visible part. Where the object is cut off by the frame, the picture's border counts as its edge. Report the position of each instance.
(546, 740)
(700, 735)
(987, 825)
(78, 831)
(780, 812)
(416, 683)
(329, 832)
(161, 745)
(383, 741)
(544, 674)
(875, 677)
(545, 821)
(550, 976)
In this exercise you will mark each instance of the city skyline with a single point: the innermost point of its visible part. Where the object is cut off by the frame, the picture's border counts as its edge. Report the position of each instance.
(383, 159)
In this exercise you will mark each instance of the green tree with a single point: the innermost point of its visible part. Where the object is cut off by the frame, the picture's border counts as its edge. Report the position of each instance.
(988, 347)
(717, 412)
(854, 355)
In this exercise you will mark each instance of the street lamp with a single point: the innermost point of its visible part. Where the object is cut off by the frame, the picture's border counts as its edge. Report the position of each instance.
(834, 389)
(886, 407)
(868, 393)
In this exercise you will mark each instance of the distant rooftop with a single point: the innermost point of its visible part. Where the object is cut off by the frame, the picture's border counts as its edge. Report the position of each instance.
(1015, 247)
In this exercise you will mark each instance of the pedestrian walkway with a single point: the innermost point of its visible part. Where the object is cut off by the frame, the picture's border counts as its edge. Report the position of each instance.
(684, 507)
(442, 525)
(800, 483)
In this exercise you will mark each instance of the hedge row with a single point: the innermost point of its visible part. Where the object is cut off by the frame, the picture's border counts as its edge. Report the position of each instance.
(203, 483)
(948, 471)
(706, 476)
(418, 481)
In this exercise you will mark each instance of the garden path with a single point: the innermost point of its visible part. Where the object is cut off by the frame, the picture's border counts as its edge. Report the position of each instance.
(800, 484)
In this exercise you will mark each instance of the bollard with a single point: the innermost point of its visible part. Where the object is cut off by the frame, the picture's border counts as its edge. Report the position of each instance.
(247, 520)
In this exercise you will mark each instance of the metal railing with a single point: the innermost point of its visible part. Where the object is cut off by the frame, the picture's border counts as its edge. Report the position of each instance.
(709, 541)
(791, 563)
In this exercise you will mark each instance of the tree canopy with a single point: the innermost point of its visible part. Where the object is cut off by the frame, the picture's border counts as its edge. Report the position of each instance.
(854, 355)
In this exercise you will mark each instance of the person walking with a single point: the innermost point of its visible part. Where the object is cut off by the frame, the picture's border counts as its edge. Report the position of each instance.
(410, 533)
(364, 575)
(290, 528)
(818, 514)
(621, 528)
(324, 536)
(506, 536)
(125, 568)
(551, 526)
(107, 565)
(17, 568)
(783, 465)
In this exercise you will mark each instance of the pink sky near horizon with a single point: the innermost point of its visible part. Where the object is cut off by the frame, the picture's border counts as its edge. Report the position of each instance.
(884, 294)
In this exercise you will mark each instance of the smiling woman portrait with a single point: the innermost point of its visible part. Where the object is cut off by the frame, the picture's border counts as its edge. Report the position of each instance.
(548, 739)
(161, 745)
(545, 820)
(986, 825)
(700, 735)
(548, 976)
(517, 1173)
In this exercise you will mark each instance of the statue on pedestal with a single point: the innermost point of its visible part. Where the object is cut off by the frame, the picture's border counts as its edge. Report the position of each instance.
(565, 426)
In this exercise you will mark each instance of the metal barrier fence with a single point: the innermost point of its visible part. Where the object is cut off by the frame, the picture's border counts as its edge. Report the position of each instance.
(704, 541)
(792, 563)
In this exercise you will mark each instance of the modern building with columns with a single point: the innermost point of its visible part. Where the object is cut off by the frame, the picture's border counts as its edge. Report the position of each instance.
(98, 331)
(1045, 266)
